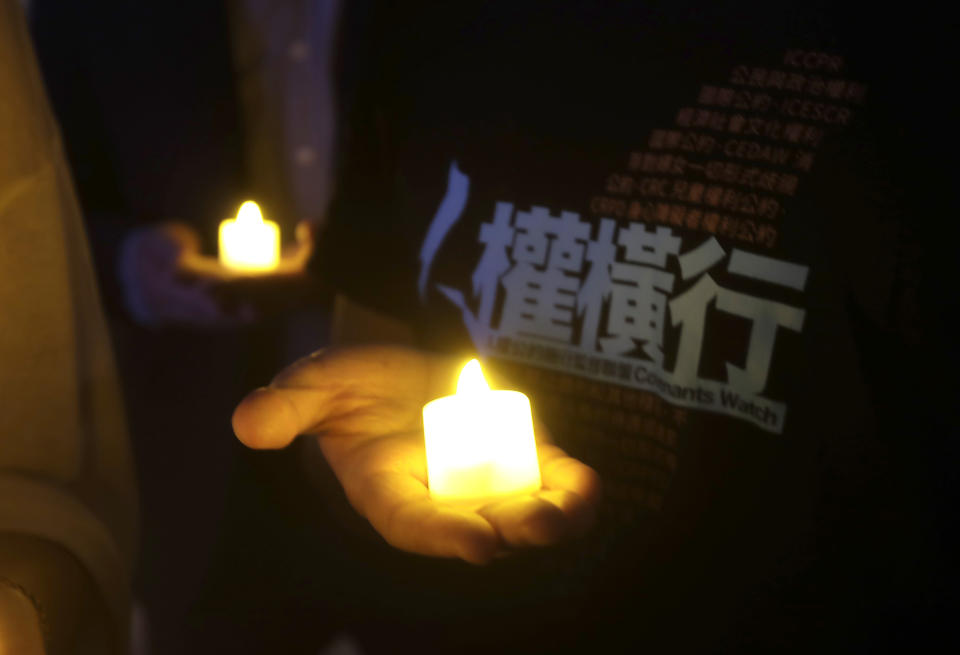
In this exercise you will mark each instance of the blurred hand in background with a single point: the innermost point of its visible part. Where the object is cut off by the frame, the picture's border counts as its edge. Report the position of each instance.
(167, 280)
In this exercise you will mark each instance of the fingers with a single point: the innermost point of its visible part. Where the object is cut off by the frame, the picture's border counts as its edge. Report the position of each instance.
(298, 253)
(427, 528)
(399, 507)
(526, 521)
(184, 235)
(579, 513)
(561, 472)
(541, 520)
(306, 232)
(385, 481)
(198, 266)
(564, 508)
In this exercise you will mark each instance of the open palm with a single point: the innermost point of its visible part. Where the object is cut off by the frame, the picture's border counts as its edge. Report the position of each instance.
(364, 406)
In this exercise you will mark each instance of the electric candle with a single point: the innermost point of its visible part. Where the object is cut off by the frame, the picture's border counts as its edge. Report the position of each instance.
(479, 442)
(249, 243)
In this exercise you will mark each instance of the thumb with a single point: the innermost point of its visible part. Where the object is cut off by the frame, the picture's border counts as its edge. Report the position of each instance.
(297, 401)
(382, 385)
(298, 252)
(271, 417)
(306, 232)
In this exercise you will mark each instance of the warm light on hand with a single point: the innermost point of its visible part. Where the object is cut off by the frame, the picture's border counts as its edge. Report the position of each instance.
(248, 242)
(479, 442)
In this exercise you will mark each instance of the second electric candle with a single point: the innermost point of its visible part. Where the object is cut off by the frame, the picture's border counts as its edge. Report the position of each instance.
(249, 243)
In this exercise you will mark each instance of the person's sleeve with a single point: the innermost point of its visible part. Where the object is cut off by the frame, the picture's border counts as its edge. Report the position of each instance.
(67, 494)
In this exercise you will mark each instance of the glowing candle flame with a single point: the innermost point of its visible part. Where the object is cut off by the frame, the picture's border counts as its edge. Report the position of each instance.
(471, 379)
(249, 214)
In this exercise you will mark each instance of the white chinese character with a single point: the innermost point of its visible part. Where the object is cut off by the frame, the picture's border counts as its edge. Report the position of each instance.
(568, 232)
(648, 246)
(539, 303)
(541, 288)
(766, 316)
(595, 291)
(637, 306)
(690, 308)
(638, 297)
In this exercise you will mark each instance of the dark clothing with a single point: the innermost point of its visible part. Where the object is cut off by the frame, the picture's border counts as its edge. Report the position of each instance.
(694, 234)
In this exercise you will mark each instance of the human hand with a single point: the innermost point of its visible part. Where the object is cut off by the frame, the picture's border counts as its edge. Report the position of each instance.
(167, 280)
(364, 405)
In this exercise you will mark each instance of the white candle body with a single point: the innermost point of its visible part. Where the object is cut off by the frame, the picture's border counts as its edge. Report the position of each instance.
(249, 243)
(480, 446)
